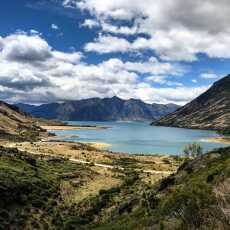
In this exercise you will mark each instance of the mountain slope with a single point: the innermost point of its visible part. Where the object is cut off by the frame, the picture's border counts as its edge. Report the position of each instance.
(97, 109)
(196, 197)
(17, 125)
(25, 107)
(211, 110)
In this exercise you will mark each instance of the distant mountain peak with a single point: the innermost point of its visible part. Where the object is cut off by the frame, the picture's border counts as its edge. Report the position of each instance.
(116, 97)
(106, 109)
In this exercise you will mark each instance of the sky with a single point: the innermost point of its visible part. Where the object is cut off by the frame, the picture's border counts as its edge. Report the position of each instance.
(159, 51)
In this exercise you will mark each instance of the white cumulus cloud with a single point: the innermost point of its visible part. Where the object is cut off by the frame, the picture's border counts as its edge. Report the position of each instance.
(32, 71)
(177, 30)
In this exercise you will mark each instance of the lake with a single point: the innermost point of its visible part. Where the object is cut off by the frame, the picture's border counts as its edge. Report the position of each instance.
(139, 137)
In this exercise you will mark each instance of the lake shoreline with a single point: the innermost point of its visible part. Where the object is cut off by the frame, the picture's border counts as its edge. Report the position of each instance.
(71, 127)
(222, 140)
(95, 154)
(136, 137)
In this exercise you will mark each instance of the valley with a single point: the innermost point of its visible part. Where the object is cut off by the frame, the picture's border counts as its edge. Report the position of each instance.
(114, 115)
(56, 183)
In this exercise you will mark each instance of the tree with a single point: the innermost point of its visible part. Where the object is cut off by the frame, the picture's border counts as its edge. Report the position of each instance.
(193, 150)
(225, 131)
(186, 151)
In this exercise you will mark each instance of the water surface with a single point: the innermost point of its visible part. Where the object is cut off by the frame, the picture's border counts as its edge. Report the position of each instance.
(140, 137)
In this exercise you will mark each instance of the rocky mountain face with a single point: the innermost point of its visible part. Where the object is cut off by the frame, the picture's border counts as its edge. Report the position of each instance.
(96, 109)
(211, 110)
(17, 125)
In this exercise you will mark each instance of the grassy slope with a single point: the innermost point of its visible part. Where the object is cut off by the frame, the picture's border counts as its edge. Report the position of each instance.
(197, 197)
(16, 125)
(34, 191)
(41, 193)
(49, 192)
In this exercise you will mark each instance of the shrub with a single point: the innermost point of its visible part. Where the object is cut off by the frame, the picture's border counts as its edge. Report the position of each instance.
(225, 131)
(193, 150)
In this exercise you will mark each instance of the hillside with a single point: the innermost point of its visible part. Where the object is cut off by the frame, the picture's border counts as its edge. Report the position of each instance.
(17, 125)
(49, 194)
(96, 109)
(196, 197)
(211, 110)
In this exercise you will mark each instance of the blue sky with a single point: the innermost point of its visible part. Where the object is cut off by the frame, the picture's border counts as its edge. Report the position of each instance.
(57, 50)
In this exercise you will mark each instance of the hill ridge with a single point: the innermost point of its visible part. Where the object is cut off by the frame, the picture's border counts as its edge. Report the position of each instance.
(210, 110)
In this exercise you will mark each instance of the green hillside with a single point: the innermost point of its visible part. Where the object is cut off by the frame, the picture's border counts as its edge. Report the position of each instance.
(42, 195)
(196, 197)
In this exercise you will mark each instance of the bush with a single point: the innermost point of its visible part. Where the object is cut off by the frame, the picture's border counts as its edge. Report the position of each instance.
(193, 150)
(131, 178)
(225, 131)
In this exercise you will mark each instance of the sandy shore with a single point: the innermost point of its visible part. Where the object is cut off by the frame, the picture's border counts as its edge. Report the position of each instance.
(61, 138)
(222, 140)
(71, 127)
(98, 145)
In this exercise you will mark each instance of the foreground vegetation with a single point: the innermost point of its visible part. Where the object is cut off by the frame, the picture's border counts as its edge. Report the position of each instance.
(196, 197)
(50, 192)
(31, 189)
(42, 191)
(225, 132)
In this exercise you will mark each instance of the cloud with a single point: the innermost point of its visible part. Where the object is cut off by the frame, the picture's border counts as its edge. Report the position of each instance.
(209, 76)
(162, 80)
(197, 26)
(179, 95)
(20, 47)
(152, 66)
(90, 23)
(54, 27)
(172, 46)
(69, 3)
(108, 27)
(34, 32)
(108, 44)
(32, 71)
(24, 81)
(67, 57)
(194, 80)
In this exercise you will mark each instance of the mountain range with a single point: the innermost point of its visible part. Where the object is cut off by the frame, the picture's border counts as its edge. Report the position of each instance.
(211, 110)
(96, 109)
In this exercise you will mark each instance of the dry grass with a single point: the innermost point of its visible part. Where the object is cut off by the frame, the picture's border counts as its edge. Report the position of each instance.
(148, 167)
(92, 188)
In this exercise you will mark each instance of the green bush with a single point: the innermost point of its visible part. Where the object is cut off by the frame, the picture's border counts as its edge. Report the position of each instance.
(193, 150)
(225, 131)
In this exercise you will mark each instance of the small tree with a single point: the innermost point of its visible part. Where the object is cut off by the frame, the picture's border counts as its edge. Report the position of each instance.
(186, 151)
(199, 150)
(193, 150)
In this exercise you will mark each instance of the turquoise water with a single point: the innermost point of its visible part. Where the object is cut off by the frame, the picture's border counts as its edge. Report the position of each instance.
(140, 137)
